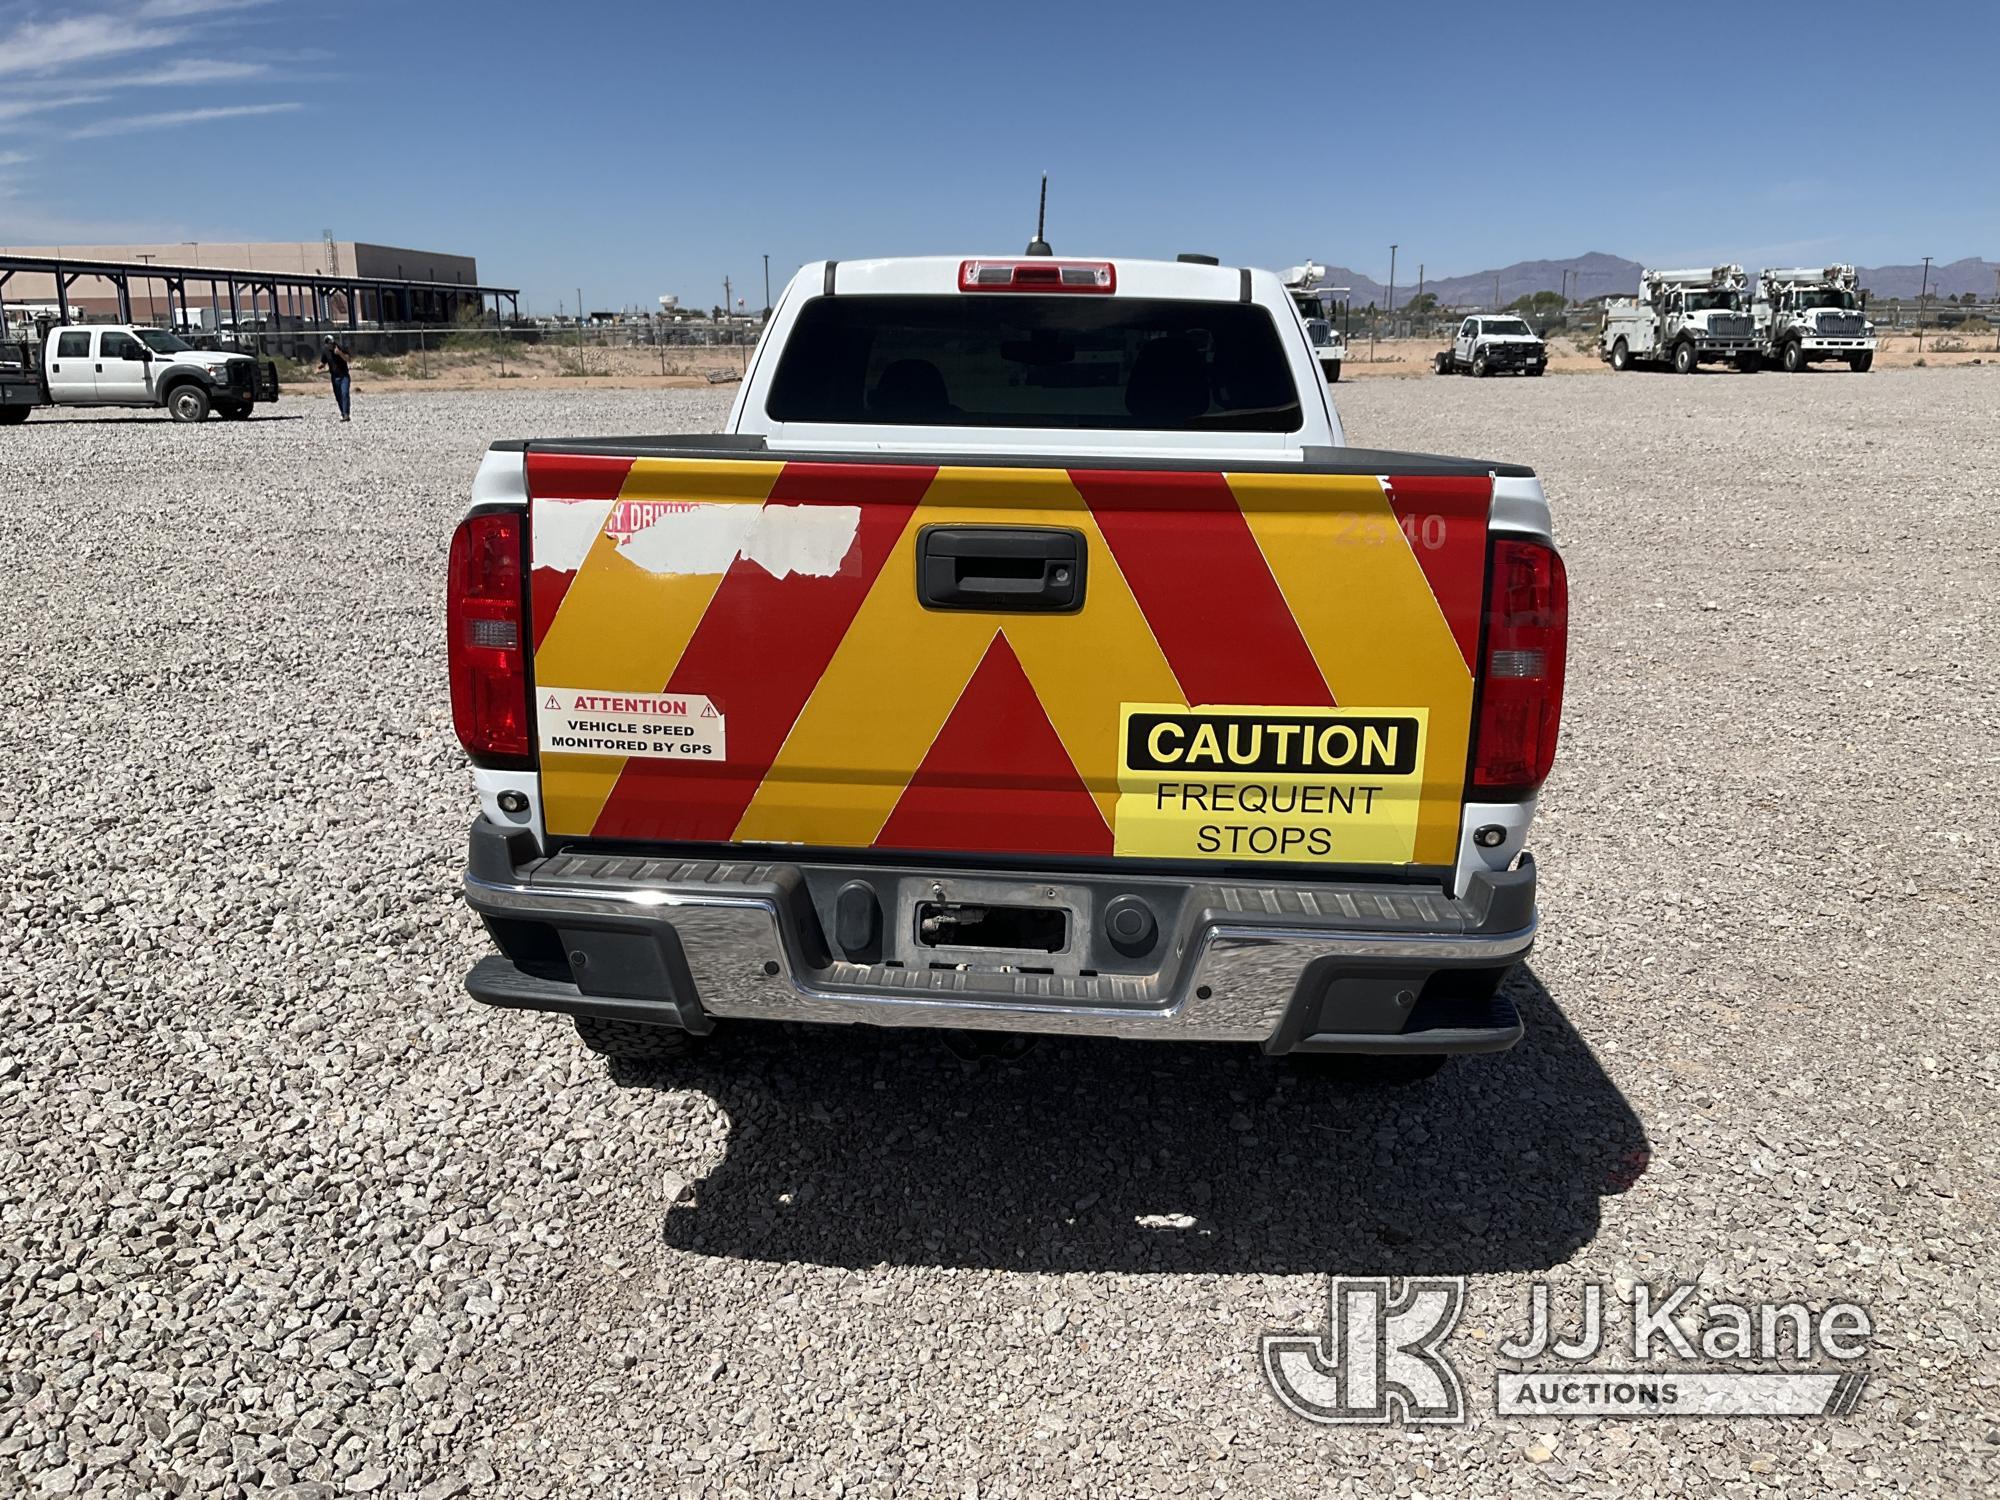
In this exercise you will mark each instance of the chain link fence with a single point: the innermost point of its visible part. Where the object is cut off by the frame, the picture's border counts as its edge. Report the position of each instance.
(659, 347)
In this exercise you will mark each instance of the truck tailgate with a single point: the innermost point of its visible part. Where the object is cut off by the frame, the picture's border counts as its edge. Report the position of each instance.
(1161, 662)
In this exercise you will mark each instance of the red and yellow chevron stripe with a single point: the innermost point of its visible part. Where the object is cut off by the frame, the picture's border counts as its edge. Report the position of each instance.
(784, 593)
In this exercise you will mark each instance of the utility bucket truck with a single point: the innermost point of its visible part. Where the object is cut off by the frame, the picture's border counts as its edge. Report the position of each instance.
(1315, 303)
(1683, 318)
(1806, 313)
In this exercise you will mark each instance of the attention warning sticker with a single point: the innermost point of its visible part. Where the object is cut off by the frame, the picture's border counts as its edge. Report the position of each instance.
(658, 726)
(1332, 785)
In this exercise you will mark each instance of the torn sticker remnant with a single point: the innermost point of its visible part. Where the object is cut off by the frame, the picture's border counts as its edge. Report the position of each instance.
(809, 540)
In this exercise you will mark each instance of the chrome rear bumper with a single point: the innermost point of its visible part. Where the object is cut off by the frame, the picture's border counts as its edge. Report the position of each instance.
(1334, 967)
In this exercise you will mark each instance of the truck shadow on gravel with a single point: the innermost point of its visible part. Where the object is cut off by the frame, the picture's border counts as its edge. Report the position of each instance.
(851, 1147)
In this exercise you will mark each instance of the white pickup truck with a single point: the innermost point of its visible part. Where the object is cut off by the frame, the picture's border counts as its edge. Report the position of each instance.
(1490, 344)
(119, 364)
(1027, 655)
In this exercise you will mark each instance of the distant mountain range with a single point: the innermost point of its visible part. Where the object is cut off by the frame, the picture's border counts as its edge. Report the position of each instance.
(1969, 275)
(1596, 274)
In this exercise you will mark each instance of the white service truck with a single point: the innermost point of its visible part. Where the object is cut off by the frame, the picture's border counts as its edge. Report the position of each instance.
(1315, 303)
(1685, 319)
(1493, 344)
(121, 364)
(1808, 313)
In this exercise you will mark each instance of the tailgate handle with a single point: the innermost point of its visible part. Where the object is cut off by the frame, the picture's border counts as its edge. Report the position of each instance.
(1026, 568)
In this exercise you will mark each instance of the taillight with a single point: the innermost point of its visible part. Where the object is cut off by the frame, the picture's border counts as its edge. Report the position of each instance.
(487, 641)
(1037, 275)
(1521, 686)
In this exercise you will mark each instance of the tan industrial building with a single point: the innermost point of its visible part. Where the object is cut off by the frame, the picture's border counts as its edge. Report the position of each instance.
(96, 297)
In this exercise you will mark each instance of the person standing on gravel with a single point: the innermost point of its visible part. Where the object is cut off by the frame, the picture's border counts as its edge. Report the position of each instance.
(335, 359)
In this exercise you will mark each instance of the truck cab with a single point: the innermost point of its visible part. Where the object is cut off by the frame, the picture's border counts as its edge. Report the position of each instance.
(1494, 344)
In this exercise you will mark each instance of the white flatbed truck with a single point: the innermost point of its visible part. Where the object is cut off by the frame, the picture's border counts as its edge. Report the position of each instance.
(124, 364)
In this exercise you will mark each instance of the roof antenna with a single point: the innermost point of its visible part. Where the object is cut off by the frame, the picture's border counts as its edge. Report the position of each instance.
(1038, 245)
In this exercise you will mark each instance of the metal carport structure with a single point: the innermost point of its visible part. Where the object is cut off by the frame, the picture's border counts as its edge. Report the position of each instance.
(307, 296)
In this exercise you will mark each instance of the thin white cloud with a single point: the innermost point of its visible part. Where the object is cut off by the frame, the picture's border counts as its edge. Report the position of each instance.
(177, 72)
(13, 158)
(169, 119)
(29, 224)
(174, 73)
(179, 9)
(44, 46)
(15, 109)
(197, 70)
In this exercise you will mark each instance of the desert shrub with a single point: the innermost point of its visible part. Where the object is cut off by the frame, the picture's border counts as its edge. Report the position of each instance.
(473, 333)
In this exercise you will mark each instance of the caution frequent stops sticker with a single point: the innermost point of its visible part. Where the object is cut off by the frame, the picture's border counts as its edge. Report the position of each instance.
(1302, 784)
(657, 726)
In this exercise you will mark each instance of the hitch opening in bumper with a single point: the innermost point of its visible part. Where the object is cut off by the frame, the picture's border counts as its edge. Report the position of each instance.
(1338, 967)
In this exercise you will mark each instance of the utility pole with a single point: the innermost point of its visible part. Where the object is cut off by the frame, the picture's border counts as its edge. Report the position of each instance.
(767, 284)
(1496, 291)
(1922, 293)
(1420, 281)
(1392, 291)
(727, 306)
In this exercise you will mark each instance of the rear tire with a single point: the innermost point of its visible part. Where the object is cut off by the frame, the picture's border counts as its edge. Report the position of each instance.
(188, 403)
(634, 1041)
(1442, 364)
(1621, 356)
(1687, 359)
(1333, 373)
(14, 416)
(232, 411)
(1369, 1070)
(1746, 364)
(1860, 363)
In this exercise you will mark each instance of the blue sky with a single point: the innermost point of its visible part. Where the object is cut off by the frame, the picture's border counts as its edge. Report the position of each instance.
(635, 148)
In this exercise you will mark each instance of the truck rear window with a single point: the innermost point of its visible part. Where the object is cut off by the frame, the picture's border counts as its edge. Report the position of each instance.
(1019, 360)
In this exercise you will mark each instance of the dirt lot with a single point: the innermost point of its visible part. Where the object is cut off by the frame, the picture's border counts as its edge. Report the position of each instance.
(282, 1212)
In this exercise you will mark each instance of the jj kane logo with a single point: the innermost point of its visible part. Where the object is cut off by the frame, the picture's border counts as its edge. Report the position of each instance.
(1382, 1358)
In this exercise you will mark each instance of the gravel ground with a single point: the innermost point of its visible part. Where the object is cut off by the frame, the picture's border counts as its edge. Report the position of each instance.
(282, 1211)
